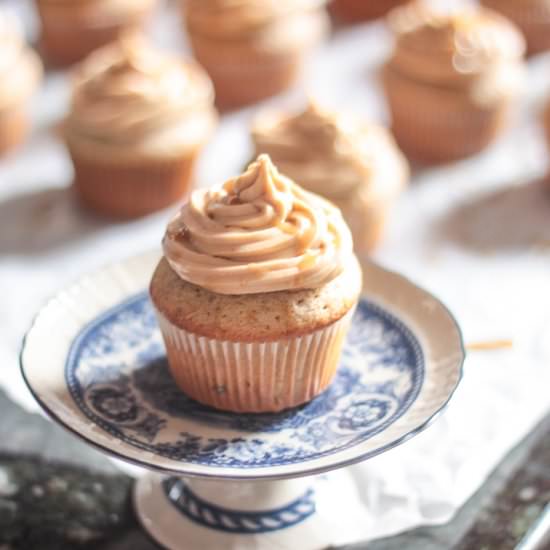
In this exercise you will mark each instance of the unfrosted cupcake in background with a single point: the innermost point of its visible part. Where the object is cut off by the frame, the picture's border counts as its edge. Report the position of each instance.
(353, 163)
(531, 16)
(71, 29)
(452, 79)
(362, 10)
(20, 75)
(253, 49)
(255, 292)
(138, 120)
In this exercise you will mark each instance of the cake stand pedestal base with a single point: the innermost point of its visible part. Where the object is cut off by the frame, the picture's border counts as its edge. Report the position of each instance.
(194, 514)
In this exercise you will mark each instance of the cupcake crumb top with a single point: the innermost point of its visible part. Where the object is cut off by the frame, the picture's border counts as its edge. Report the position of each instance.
(263, 317)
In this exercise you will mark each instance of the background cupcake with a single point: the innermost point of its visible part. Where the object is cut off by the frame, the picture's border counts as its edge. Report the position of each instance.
(138, 120)
(451, 80)
(71, 29)
(20, 74)
(531, 16)
(362, 10)
(354, 164)
(256, 292)
(253, 49)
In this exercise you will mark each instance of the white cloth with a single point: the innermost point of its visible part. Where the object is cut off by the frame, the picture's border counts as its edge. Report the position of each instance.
(475, 233)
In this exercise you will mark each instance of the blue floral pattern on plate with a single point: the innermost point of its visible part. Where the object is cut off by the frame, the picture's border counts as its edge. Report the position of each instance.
(118, 376)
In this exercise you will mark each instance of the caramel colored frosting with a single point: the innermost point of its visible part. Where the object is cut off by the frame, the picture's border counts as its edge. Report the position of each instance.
(268, 24)
(131, 96)
(355, 164)
(20, 68)
(258, 232)
(460, 48)
(330, 154)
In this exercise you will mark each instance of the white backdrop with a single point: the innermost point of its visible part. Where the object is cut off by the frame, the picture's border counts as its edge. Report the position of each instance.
(475, 233)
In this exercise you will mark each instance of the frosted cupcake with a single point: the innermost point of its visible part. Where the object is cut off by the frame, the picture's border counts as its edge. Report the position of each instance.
(255, 293)
(362, 10)
(531, 16)
(452, 80)
(253, 49)
(71, 29)
(20, 75)
(139, 118)
(354, 164)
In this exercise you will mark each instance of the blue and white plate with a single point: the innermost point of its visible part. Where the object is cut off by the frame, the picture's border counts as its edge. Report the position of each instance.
(94, 359)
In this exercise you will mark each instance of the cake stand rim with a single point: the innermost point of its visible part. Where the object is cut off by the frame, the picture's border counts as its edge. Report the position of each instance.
(243, 475)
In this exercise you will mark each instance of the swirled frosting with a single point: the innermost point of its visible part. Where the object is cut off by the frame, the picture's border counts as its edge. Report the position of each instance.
(133, 96)
(331, 154)
(258, 232)
(460, 48)
(355, 164)
(20, 68)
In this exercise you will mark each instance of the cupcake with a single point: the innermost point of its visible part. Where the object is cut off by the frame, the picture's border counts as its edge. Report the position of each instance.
(362, 10)
(255, 292)
(138, 120)
(531, 16)
(354, 164)
(20, 75)
(253, 49)
(451, 80)
(71, 29)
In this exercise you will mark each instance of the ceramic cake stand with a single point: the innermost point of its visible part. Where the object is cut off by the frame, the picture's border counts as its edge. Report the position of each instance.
(94, 360)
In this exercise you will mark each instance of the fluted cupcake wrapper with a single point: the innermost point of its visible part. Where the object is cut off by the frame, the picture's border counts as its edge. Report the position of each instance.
(63, 44)
(429, 129)
(254, 376)
(244, 74)
(252, 80)
(124, 190)
(437, 139)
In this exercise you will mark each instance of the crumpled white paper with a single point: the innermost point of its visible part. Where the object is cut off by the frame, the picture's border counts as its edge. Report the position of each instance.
(476, 234)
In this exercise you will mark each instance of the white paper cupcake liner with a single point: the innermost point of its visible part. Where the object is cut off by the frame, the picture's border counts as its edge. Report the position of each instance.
(254, 376)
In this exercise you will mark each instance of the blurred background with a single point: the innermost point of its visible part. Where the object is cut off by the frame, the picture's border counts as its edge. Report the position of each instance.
(475, 232)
